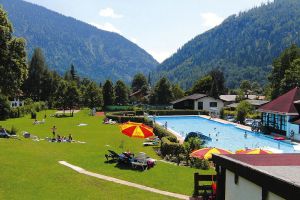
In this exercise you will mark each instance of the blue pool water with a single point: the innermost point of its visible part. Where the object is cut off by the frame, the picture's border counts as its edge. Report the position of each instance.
(224, 136)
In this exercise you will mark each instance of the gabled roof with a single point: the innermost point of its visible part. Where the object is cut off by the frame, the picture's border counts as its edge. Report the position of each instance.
(284, 103)
(191, 97)
(228, 97)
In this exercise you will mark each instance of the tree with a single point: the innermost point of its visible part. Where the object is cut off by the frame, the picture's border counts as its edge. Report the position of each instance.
(13, 67)
(256, 88)
(291, 77)
(61, 101)
(93, 96)
(4, 107)
(108, 93)
(121, 93)
(280, 66)
(193, 143)
(72, 96)
(177, 92)
(203, 85)
(139, 80)
(218, 83)
(243, 108)
(245, 87)
(36, 76)
(162, 93)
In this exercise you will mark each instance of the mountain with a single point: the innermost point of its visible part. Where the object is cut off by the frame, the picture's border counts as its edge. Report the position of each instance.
(243, 46)
(95, 53)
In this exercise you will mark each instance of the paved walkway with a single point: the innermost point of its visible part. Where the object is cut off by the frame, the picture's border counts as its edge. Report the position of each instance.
(119, 181)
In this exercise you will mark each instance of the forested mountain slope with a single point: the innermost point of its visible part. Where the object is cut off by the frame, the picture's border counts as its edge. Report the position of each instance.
(95, 53)
(243, 46)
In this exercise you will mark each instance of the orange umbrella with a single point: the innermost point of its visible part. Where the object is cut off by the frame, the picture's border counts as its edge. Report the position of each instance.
(206, 153)
(253, 151)
(137, 130)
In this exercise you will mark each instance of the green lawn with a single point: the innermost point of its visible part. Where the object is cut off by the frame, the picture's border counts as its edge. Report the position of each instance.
(30, 170)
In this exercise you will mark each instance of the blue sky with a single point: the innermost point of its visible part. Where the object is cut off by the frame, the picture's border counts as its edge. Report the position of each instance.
(158, 26)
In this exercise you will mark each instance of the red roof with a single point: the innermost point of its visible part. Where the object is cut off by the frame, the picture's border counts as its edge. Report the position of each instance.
(283, 103)
(268, 159)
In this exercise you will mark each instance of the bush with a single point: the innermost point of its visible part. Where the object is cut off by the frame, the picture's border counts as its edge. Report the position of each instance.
(162, 132)
(13, 131)
(27, 109)
(4, 107)
(200, 163)
(170, 148)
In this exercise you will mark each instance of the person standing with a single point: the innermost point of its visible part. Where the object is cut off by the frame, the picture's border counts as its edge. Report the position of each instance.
(54, 131)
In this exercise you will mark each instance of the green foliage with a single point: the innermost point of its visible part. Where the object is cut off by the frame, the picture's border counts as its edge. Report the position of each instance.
(121, 92)
(37, 73)
(29, 107)
(4, 107)
(203, 85)
(177, 91)
(243, 108)
(91, 95)
(108, 93)
(170, 148)
(139, 81)
(162, 93)
(218, 83)
(245, 86)
(97, 54)
(191, 144)
(282, 75)
(200, 163)
(243, 46)
(13, 67)
(72, 96)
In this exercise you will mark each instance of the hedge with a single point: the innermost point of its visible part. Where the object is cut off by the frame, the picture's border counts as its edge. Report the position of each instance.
(26, 109)
(170, 148)
(178, 112)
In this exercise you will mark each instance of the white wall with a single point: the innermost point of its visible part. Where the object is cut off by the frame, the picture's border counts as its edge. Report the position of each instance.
(206, 104)
(244, 189)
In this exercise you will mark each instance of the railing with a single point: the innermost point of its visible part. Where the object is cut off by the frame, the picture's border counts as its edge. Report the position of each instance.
(203, 186)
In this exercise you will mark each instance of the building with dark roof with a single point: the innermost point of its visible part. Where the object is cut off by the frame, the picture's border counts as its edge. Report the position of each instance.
(258, 177)
(199, 102)
(281, 116)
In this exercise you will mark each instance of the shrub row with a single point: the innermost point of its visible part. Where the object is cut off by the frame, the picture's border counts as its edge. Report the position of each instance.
(178, 112)
(170, 148)
(27, 109)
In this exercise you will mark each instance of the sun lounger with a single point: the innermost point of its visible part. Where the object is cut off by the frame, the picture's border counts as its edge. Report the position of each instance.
(141, 160)
(113, 155)
(151, 143)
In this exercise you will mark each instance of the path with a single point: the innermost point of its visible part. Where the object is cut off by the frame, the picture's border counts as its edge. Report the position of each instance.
(119, 181)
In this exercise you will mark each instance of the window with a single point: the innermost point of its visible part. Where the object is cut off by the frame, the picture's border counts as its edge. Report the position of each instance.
(213, 104)
(200, 105)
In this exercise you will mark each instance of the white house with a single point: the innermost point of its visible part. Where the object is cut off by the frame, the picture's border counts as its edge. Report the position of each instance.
(16, 102)
(257, 177)
(199, 102)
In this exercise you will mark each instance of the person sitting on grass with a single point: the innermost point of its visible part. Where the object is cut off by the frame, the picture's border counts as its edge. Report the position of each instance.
(58, 138)
(70, 138)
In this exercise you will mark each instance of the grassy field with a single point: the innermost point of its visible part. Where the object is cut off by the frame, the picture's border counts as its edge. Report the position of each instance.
(30, 169)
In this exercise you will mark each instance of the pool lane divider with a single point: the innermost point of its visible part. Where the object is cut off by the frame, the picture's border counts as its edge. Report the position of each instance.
(122, 182)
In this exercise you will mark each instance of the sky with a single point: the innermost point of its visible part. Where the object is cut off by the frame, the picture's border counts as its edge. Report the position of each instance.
(160, 27)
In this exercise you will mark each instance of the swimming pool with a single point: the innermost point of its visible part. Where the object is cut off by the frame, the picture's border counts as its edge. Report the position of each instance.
(226, 136)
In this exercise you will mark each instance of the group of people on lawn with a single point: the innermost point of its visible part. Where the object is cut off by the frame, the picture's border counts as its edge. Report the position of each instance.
(58, 138)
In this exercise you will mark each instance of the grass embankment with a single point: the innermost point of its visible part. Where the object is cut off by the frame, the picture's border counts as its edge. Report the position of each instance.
(30, 170)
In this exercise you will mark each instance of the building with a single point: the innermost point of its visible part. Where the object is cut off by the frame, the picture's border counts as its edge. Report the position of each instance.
(258, 177)
(16, 102)
(229, 99)
(254, 102)
(199, 102)
(281, 116)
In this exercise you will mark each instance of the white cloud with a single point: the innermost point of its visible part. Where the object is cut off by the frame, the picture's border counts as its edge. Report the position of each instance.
(211, 20)
(109, 12)
(106, 26)
(160, 56)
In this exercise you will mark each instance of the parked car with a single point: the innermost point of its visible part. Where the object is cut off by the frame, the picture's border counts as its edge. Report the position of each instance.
(249, 122)
(230, 118)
